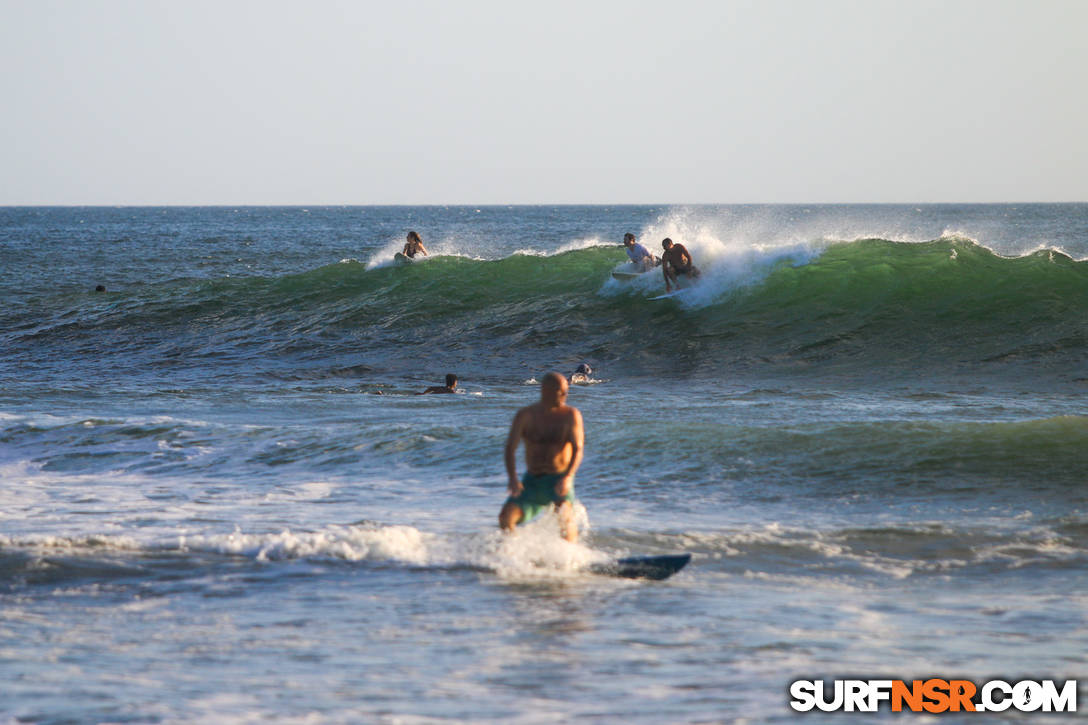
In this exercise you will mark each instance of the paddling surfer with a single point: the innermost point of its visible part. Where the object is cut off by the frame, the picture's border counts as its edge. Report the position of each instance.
(554, 440)
(676, 261)
(581, 374)
(451, 386)
(414, 246)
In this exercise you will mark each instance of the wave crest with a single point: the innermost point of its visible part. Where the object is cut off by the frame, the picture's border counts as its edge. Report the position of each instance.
(865, 303)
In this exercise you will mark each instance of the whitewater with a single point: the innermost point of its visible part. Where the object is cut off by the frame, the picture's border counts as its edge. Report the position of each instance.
(224, 502)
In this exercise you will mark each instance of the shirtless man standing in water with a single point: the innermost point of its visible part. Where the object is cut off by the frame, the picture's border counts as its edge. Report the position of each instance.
(554, 439)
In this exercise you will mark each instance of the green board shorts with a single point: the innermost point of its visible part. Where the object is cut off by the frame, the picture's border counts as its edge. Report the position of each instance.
(539, 494)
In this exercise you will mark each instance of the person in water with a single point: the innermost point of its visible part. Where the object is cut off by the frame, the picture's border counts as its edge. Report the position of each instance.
(414, 246)
(581, 375)
(451, 386)
(639, 255)
(676, 261)
(554, 439)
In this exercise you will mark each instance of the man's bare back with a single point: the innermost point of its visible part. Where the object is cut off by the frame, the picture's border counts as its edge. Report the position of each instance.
(546, 433)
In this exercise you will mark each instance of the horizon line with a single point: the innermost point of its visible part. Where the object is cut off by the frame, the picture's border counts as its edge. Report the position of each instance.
(300, 205)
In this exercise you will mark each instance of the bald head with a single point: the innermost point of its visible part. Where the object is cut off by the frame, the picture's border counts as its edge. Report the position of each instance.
(553, 389)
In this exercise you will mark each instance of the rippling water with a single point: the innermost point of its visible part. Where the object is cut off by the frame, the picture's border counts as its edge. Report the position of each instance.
(867, 423)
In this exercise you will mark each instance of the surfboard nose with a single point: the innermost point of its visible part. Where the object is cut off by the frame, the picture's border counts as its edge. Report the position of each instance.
(644, 567)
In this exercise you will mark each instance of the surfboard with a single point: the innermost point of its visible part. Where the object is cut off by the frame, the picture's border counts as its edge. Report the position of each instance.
(628, 270)
(683, 284)
(400, 258)
(643, 567)
(674, 293)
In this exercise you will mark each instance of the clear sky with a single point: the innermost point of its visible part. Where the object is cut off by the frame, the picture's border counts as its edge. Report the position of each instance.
(506, 102)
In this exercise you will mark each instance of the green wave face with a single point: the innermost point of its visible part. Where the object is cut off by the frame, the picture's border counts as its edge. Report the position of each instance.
(883, 302)
(865, 307)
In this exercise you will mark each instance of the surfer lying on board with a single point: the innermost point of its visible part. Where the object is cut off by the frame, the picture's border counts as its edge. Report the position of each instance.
(639, 254)
(451, 386)
(414, 246)
(554, 439)
(676, 261)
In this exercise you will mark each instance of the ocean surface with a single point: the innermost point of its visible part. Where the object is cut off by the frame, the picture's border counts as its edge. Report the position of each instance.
(222, 501)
